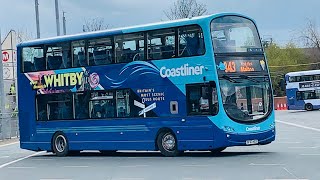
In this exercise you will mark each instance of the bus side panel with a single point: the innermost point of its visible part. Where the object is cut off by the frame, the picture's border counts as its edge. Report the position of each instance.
(128, 134)
(195, 133)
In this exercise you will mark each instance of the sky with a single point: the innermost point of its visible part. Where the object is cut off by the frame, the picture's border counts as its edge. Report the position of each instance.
(282, 20)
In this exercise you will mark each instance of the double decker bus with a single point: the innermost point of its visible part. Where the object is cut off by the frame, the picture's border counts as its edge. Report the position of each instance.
(303, 90)
(192, 84)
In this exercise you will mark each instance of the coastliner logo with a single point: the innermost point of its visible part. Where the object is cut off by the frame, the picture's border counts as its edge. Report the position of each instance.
(184, 70)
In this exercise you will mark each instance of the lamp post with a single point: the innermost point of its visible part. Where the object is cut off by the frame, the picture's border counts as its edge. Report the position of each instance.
(37, 18)
(57, 17)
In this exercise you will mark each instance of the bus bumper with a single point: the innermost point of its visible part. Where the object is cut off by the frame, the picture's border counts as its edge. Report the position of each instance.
(260, 138)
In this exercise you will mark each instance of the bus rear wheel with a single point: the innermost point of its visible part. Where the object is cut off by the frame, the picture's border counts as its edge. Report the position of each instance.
(167, 144)
(60, 144)
(309, 107)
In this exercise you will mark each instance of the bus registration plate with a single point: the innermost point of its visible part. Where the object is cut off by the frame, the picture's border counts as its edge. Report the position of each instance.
(251, 142)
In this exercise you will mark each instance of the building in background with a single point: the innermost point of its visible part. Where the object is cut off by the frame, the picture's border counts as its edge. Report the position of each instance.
(9, 60)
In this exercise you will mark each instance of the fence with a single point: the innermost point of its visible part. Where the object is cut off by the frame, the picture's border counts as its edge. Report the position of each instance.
(9, 125)
(280, 103)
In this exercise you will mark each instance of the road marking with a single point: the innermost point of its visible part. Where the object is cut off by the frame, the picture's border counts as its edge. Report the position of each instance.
(309, 154)
(20, 159)
(195, 165)
(254, 155)
(131, 178)
(4, 157)
(288, 142)
(42, 159)
(17, 167)
(8, 144)
(286, 179)
(134, 166)
(290, 173)
(76, 166)
(55, 179)
(253, 164)
(312, 147)
(300, 126)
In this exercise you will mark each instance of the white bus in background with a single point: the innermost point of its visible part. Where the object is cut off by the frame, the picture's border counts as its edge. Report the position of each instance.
(303, 90)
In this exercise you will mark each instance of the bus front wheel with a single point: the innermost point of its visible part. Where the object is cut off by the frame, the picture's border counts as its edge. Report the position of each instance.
(167, 144)
(309, 107)
(60, 144)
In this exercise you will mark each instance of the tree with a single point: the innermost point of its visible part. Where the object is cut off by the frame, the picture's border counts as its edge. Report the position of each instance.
(24, 35)
(185, 9)
(311, 39)
(284, 60)
(94, 24)
(310, 35)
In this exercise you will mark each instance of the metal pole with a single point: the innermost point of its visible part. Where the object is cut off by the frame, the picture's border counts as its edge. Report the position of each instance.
(57, 18)
(64, 23)
(37, 18)
(2, 95)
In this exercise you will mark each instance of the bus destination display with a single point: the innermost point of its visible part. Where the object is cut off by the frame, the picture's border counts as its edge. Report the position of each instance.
(242, 66)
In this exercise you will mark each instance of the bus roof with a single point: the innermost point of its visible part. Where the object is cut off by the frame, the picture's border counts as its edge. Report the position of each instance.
(130, 29)
(301, 73)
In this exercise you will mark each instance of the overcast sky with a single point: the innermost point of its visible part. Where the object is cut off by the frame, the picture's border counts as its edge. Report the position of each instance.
(280, 19)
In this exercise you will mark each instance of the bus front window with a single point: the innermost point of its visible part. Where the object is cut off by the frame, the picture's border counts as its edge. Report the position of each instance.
(234, 34)
(246, 100)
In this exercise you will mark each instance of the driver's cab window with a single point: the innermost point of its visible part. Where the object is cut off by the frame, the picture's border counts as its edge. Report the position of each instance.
(202, 99)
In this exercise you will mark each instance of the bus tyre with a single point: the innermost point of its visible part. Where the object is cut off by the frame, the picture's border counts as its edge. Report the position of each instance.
(167, 144)
(60, 144)
(309, 107)
(217, 150)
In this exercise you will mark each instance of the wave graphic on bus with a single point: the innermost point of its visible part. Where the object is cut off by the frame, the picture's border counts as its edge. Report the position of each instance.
(131, 71)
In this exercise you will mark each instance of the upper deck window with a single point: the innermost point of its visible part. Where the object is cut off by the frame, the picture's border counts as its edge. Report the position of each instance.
(33, 59)
(129, 47)
(191, 41)
(58, 56)
(161, 44)
(234, 34)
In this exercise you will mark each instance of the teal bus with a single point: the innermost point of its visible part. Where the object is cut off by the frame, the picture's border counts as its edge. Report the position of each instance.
(192, 84)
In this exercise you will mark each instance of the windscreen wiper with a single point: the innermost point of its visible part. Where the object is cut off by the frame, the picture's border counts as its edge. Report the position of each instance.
(229, 79)
(249, 78)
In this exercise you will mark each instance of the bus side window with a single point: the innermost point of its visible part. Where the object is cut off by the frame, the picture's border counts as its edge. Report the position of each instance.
(101, 51)
(79, 55)
(60, 107)
(41, 107)
(58, 56)
(215, 103)
(202, 99)
(161, 44)
(33, 59)
(190, 41)
(129, 47)
(122, 102)
(81, 105)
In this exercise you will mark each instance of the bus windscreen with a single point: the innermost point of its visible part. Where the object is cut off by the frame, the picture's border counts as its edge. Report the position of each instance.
(233, 34)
